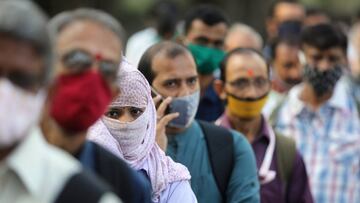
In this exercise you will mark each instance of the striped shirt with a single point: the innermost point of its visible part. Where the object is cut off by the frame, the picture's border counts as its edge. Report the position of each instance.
(329, 140)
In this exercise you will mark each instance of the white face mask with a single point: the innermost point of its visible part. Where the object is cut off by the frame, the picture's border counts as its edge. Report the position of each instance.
(19, 111)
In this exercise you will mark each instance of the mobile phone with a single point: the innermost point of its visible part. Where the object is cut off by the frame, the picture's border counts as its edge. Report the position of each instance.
(154, 93)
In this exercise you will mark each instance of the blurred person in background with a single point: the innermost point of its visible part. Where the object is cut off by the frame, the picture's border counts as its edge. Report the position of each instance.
(88, 47)
(353, 54)
(205, 30)
(220, 161)
(163, 20)
(286, 64)
(245, 85)
(30, 169)
(322, 116)
(242, 36)
(316, 16)
(128, 129)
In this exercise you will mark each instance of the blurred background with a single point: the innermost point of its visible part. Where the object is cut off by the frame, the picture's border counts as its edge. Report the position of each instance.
(135, 14)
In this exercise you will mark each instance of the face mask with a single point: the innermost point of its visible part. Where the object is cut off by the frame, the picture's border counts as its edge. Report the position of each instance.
(131, 135)
(322, 81)
(246, 108)
(19, 111)
(207, 59)
(79, 100)
(186, 106)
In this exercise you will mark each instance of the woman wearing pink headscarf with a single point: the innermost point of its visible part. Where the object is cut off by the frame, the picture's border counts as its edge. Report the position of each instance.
(128, 130)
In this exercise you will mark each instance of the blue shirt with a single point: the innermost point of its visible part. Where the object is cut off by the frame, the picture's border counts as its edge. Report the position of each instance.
(190, 149)
(210, 107)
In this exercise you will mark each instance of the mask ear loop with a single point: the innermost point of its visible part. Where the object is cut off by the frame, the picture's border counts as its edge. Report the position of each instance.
(266, 175)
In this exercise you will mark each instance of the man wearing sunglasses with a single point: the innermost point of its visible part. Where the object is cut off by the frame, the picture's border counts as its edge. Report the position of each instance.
(88, 47)
(245, 85)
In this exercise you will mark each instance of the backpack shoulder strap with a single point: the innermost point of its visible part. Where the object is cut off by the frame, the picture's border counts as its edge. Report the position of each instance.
(221, 153)
(286, 154)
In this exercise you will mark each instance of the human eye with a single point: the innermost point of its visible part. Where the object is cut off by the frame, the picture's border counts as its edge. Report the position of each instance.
(113, 113)
(170, 84)
(136, 112)
(192, 81)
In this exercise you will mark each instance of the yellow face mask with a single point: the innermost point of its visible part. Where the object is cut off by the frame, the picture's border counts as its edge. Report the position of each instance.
(246, 108)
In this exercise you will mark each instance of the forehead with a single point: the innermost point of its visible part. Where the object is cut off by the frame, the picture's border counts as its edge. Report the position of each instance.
(90, 36)
(182, 66)
(289, 11)
(287, 51)
(333, 51)
(19, 55)
(214, 32)
(245, 66)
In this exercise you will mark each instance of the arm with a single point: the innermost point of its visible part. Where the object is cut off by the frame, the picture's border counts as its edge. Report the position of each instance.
(298, 188)
(243, 185)
(180, 192)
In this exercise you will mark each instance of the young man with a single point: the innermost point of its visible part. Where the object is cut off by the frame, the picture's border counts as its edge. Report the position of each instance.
(205, 31)
(30, 169)
(88, 45)
(245, 85)
(322, 116)
(221, 162)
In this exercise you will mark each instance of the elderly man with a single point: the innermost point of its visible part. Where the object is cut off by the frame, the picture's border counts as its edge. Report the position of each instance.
(88, 45)
(242, 36)
(30, 169)
(321, 114)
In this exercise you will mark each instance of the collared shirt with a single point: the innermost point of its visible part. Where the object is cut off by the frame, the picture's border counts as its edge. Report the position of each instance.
(210, 107)
(329, 140)
(37, 172)
(298, 189)
(190, 149)
(274, 99)
(175, 192)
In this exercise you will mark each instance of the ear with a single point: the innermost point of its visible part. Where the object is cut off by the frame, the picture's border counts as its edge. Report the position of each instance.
(219, 88)
(271, 28)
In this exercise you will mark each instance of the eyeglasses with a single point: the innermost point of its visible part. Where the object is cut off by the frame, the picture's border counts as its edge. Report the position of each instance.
(243, 84)
(80, 60)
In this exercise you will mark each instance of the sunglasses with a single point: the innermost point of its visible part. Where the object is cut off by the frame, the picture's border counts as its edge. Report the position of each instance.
(79, 60)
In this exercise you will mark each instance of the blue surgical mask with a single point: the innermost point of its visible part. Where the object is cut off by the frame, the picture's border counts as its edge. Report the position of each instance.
(187, 107)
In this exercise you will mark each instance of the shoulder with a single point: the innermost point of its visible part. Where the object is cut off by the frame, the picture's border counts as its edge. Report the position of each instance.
(180, 191)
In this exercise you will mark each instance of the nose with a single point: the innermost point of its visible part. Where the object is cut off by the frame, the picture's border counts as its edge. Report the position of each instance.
(252, 92)
(184, 90)
(126, 117)
(324, 65)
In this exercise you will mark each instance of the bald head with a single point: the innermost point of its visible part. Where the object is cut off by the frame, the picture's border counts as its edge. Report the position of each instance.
(243, 36)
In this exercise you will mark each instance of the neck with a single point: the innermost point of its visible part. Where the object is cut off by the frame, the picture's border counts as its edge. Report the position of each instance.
(248, 127)
(308, 96)
(205, 81)
(70, 142)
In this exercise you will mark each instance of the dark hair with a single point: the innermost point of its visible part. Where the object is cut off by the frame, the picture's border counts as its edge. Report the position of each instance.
(239, 51)
(272, 8)
(165, 14)
(169, 48)
(324, 36)
(311, 11)
(292, 41)
(207, 13)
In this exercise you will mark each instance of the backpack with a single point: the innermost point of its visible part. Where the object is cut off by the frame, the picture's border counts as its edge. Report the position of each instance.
(221, 154)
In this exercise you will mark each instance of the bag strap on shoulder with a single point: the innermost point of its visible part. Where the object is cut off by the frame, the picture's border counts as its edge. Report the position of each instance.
(221, 153)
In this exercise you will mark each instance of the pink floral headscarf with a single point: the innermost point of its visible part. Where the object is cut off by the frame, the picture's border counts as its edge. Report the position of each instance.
(135, 141)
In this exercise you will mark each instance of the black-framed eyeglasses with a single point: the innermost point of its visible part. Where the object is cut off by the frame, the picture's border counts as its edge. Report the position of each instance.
(79, 60)
(243, 84)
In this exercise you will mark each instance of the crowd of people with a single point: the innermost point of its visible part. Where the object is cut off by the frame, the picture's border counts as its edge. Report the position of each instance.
(201, 109)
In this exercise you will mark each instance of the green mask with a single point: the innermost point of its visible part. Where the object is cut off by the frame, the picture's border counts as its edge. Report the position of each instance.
(207, 59)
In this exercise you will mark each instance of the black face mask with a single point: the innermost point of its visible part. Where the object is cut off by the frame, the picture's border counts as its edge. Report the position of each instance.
(322, 81)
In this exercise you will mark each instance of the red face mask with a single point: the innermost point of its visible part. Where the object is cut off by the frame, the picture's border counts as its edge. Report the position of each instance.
(79, 100)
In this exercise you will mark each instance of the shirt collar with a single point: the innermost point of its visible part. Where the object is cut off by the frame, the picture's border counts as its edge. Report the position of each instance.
(224, 121)
(27, 160)
(336, 101)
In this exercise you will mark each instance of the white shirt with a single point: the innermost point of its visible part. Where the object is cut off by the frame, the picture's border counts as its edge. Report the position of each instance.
(138, 43)
(37, 172)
